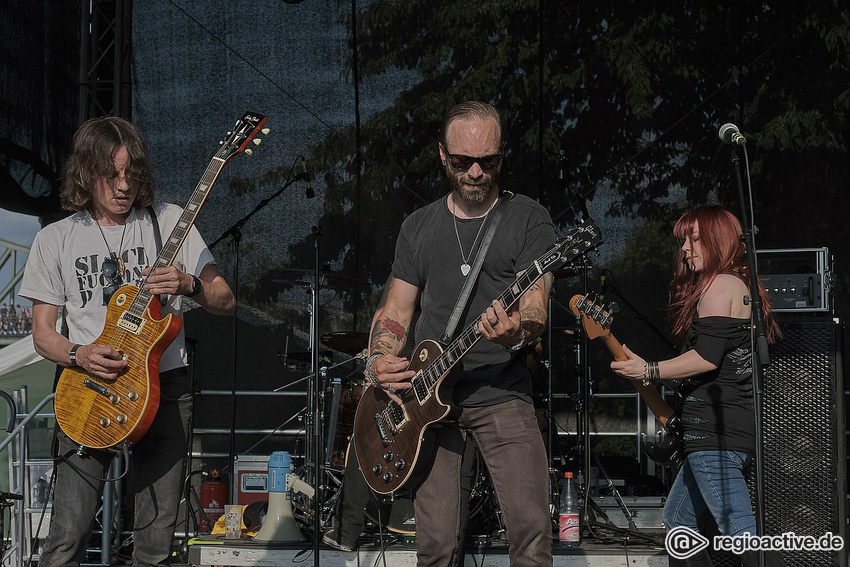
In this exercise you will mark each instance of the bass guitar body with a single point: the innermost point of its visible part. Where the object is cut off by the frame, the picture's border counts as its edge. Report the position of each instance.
(105, 414)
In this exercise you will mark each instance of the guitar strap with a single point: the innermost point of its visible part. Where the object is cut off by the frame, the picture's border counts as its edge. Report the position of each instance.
(495, 217)
(157, 236)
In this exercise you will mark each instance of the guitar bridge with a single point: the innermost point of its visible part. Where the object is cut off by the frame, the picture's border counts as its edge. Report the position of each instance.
(391, 418)
(378, 421)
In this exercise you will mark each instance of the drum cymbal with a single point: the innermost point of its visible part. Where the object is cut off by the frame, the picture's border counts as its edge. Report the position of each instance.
(349, 342)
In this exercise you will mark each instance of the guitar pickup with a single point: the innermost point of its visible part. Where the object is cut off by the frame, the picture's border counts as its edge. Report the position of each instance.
(421, 390)
(131, 323)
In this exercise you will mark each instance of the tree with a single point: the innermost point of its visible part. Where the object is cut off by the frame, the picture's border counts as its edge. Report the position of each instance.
(632, 92)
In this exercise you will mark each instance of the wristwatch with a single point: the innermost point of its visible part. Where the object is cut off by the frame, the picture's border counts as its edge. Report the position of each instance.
(196, 287)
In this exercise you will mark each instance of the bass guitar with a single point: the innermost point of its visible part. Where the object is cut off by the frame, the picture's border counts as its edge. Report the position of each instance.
(109, 414)
(393, 441)
(596, 320)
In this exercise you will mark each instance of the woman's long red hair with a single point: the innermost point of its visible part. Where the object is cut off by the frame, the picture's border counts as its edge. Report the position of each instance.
(723, 252)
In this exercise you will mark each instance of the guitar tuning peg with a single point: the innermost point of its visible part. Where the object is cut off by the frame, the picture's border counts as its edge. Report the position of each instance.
(266, 131)
(613, 307)
(221, 142)
(249, 151)
(257, 141)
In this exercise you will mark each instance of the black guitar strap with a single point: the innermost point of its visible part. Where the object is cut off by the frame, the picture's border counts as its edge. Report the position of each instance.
(495, 217)
(157, 236)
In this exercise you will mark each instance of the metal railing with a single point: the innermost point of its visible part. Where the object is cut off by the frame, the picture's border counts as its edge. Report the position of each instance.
(20, 548)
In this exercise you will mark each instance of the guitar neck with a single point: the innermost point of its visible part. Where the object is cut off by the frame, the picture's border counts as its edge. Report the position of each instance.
(467, 339)
(178, 235)
(650, 396)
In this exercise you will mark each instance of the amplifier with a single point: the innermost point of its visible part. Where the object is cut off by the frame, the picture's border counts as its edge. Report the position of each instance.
(797, 279)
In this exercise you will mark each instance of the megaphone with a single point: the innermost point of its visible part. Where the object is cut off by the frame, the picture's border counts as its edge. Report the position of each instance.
(279, 524)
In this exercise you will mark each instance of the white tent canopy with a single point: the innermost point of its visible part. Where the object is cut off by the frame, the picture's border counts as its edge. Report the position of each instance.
(17, 355)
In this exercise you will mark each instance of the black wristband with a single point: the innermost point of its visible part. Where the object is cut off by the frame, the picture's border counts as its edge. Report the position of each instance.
(73, 354)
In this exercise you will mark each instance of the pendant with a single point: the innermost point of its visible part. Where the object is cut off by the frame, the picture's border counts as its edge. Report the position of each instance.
(464, 269)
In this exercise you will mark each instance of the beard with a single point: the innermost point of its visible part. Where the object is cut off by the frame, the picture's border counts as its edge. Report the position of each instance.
(475, 194)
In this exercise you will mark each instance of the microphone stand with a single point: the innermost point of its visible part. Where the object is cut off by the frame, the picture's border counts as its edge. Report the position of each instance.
(316, 393)
(236, 233)
(761, 348)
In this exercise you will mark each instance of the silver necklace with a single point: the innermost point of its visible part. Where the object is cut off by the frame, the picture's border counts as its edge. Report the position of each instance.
(465, 267)
(120, 246)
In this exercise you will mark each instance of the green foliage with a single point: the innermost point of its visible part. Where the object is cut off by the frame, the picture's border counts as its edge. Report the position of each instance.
(633, 92)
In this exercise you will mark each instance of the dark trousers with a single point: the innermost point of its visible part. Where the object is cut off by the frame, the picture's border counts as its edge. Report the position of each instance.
(157, 469)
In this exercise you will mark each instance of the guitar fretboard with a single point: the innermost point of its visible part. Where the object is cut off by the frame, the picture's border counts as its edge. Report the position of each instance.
(427, 380)
(175, 240)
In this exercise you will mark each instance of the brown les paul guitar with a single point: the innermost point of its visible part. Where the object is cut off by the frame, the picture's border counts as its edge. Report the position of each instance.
(108, 414)
(596, 320)
(394, 442)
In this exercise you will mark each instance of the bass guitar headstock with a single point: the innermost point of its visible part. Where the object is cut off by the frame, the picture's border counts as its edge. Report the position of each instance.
(596, 316)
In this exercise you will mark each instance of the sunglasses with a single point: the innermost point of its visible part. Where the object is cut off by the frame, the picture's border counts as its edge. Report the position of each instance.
(112, 270)
(487, 163)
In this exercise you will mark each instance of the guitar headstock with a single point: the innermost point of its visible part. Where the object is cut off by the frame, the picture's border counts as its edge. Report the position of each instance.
(596, 318)
(245, 130)
(579, 240)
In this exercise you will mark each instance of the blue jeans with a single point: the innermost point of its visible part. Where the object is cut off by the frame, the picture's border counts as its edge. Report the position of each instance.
(157, 470)
(511, 445)
(712, 480)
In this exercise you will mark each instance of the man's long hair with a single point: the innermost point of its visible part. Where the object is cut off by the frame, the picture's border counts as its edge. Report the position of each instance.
(723, 252)
(92, 158)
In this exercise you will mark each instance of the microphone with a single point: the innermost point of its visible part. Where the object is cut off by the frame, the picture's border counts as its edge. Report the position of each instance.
(10, 496)
(729, 134)
(305, 174)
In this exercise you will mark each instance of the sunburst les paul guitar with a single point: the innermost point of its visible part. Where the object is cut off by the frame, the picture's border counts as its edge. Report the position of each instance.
(392, 440)
(596, 320)
(108, 414)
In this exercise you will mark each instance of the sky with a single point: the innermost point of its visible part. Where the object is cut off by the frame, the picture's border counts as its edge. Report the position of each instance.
(19, 229)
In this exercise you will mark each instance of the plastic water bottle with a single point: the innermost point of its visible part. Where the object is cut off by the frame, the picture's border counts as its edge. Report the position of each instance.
(569, 530)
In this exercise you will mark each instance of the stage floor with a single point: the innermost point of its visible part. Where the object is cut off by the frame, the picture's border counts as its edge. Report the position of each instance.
(401, 552)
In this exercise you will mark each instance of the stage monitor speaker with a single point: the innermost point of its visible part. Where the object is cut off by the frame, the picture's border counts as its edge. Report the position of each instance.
(803, 434)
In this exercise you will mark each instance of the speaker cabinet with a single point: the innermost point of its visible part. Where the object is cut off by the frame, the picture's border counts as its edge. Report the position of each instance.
(803, 440)
(803, 434)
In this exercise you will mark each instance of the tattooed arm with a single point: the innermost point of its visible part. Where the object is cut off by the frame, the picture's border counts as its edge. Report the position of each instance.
(391, 321)
(524, 322)
(390, 326)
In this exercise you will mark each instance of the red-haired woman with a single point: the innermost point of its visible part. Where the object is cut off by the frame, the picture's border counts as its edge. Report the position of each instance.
(710, 308)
